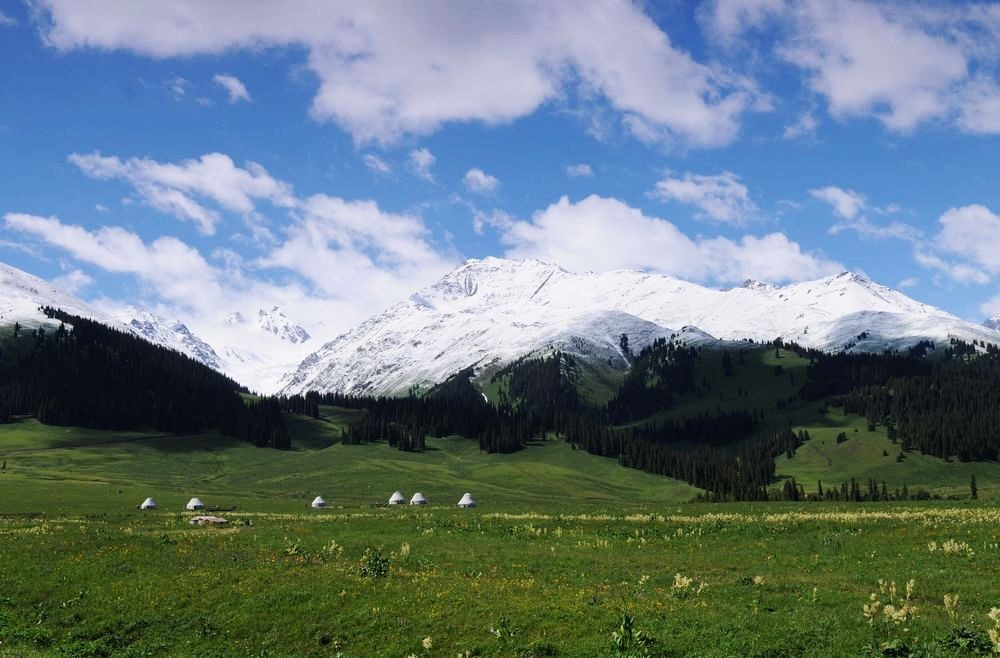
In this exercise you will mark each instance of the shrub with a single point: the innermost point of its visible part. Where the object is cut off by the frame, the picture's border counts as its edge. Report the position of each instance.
(374, 563)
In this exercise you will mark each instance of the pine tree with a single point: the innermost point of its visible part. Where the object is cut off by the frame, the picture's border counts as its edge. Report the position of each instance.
(973, 489)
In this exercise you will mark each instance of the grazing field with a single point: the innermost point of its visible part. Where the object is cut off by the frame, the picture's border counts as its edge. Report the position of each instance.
(567, 555)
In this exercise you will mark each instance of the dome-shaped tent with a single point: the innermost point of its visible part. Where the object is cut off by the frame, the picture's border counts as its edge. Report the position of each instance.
(195, 503)
(467, 501)
(397, 498)
(418, 499)
(318, 502)
(149, 503)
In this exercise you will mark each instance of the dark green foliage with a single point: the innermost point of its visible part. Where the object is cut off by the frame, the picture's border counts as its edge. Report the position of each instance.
(659, 373)
(97, 377)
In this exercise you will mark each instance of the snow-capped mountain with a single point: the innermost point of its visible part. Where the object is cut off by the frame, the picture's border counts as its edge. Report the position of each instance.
(174, 335)
(277, 323)
(993, 323)
(21, 295)
(492, 311)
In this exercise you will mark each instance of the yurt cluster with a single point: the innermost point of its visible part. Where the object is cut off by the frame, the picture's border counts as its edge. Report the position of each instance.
(397, 498)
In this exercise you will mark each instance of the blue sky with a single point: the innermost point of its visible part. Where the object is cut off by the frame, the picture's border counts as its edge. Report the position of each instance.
(199, 158)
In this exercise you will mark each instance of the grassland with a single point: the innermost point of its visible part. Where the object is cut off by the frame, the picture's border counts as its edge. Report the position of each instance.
(562, 544)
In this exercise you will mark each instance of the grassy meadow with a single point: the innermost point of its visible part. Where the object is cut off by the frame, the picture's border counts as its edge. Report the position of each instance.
(562, 550)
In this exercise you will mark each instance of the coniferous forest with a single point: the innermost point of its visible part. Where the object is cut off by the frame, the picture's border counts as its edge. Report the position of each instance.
(89, 375)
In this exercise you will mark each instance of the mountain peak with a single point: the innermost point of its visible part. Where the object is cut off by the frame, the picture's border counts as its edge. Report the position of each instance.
(277, 323)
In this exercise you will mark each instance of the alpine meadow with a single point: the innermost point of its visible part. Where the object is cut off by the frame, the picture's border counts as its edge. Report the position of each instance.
(499, 329)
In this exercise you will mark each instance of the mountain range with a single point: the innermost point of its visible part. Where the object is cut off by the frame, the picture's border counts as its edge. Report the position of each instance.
(489, 312)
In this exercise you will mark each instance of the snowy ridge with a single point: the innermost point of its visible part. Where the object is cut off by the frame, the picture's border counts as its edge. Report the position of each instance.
(21, 295)
(491, 311)
(174, 335)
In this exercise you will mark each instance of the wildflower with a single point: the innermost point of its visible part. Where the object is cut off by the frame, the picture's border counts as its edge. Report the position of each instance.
(951, 605)
(758, 580)
(428, 643)
(404, 550)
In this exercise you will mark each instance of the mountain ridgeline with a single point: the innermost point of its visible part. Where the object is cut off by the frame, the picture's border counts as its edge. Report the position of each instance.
(89, 375)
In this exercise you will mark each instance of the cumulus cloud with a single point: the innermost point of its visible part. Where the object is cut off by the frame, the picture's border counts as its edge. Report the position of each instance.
(386, 71)
(478, 181)
(579, 170)
(376, 165)
(721, 197)
(7, 21)
(173, 188)
(973, 234)
(356, 251)
(421, 160)
(903, 64)
(601, 233)
(234, 87)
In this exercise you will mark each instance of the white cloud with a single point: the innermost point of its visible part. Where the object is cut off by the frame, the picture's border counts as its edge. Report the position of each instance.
(406, 69)
(234, 87)
(904, 64)
(601, 233)
(421, 161)
(178, 87)
(909, 282)
(804, 126)
(72, 282)
(477, 180)
(101, 208)
(171, 188)
(353, 250)
(972, 233)
(728, 19)
(376, 164)
(852, 208)
(339, 260)
(579, 170)
(845, 203)
(176, 270)
(7, 21)
(869, 229)
(721, 197)
(961, 272)
(979, 106)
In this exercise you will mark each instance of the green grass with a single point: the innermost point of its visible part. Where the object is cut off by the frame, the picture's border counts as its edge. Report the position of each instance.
(562, 544)
(861, 457)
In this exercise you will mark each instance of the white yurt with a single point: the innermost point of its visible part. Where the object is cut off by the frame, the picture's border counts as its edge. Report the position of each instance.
(467, 500)
(397, 498)
(318, 502)
(149, 503)
(418, 499)
(195, 503)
